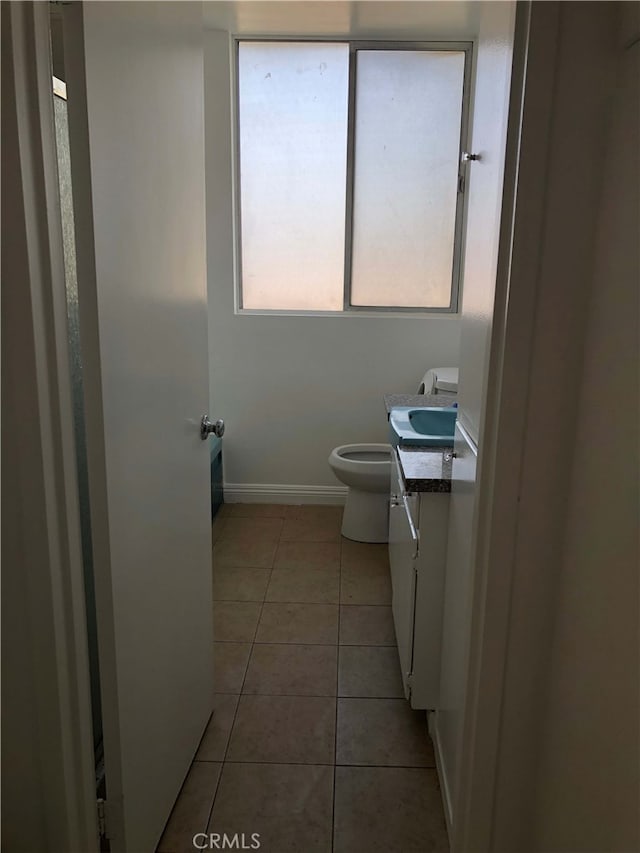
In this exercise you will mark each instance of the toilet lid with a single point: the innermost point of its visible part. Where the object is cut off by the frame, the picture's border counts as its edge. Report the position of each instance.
(446, 379)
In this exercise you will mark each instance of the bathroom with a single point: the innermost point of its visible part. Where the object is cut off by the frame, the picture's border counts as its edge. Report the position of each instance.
(284, 415)
(319, 738)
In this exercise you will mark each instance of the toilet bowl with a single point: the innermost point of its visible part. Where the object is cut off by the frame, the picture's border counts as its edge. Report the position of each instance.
(366, 470)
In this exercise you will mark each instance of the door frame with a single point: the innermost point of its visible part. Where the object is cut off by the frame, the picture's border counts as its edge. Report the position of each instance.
(43, 464)
(505, 423)
(549, 217)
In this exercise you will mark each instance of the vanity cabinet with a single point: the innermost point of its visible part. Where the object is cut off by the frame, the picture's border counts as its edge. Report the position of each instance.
(418, 524)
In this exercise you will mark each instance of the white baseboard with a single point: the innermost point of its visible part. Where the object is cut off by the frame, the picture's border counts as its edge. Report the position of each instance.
(276, 493)
(442, 772)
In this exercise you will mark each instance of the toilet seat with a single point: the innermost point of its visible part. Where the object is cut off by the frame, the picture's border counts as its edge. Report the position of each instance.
(364, 453)
(364, 456)
(363, 466)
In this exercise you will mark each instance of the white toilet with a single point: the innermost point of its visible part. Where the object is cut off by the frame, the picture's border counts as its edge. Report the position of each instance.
(440, 380)
(366, 469)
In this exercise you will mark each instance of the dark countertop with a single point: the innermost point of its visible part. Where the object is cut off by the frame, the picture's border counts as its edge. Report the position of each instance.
(417, 400)
(424, 469)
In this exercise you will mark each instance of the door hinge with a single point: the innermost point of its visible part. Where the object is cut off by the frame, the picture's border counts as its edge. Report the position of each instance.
(461, 183)
(102, 818)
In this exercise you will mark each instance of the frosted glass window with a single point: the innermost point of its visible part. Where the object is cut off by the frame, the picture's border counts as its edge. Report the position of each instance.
(347, 186)
(407, 140)
(293, 102)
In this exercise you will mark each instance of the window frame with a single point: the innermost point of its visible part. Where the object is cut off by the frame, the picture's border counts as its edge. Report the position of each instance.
(462, 46)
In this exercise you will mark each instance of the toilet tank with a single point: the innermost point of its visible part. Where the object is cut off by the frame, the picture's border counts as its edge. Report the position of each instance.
(439, 380)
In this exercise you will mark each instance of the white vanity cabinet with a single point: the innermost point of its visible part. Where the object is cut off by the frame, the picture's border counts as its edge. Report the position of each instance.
(418, 524)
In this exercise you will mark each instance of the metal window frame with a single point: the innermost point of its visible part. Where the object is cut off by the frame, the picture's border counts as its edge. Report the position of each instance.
(464, 46)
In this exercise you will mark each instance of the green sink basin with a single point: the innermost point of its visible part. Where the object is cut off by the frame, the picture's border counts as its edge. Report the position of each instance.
(430, 426)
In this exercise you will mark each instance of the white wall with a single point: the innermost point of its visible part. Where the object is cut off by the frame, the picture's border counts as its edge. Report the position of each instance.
(495, 45)
(588, 790)
(292, 388)
(484, 190)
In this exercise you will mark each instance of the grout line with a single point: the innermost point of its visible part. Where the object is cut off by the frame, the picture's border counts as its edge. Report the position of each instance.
(270, 541)
(375, 698)
(287, 695)
(329, 764)
(296, 763)
(215, 794)
(280, 642)
(246, 670)
(273, 643)
(306, 643)
(265, 601)
(335, 743)
(292, 643)
(295, 695)
(431, 767)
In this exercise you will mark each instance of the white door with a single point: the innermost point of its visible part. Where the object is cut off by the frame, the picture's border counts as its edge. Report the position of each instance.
(144, 329)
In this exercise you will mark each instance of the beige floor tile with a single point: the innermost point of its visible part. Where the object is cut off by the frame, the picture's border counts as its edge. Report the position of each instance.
(362, 625)
(217, 527)
(369, 671)
(308, 555)
(229, 666)
(304, 585)
(382, 732)
(388, 810)
(216, 736)
(311, 529)
(239, 584)
(356, 555)
(298, 623)
(235, 621)
(289, 805)
(193, 806)
(257, 510)
(284, 730)
(257, 554)
(292, 670)
(255, 529)
(366, 584)
(320, 512)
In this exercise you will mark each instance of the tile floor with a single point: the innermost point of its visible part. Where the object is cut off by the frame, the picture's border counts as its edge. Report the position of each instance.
(311, 744)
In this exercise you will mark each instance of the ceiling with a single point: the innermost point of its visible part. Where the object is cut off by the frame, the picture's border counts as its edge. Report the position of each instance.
(419, 19)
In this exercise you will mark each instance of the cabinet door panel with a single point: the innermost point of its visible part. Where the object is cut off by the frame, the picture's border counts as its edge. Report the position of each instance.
(429, 598)
(402, 549)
